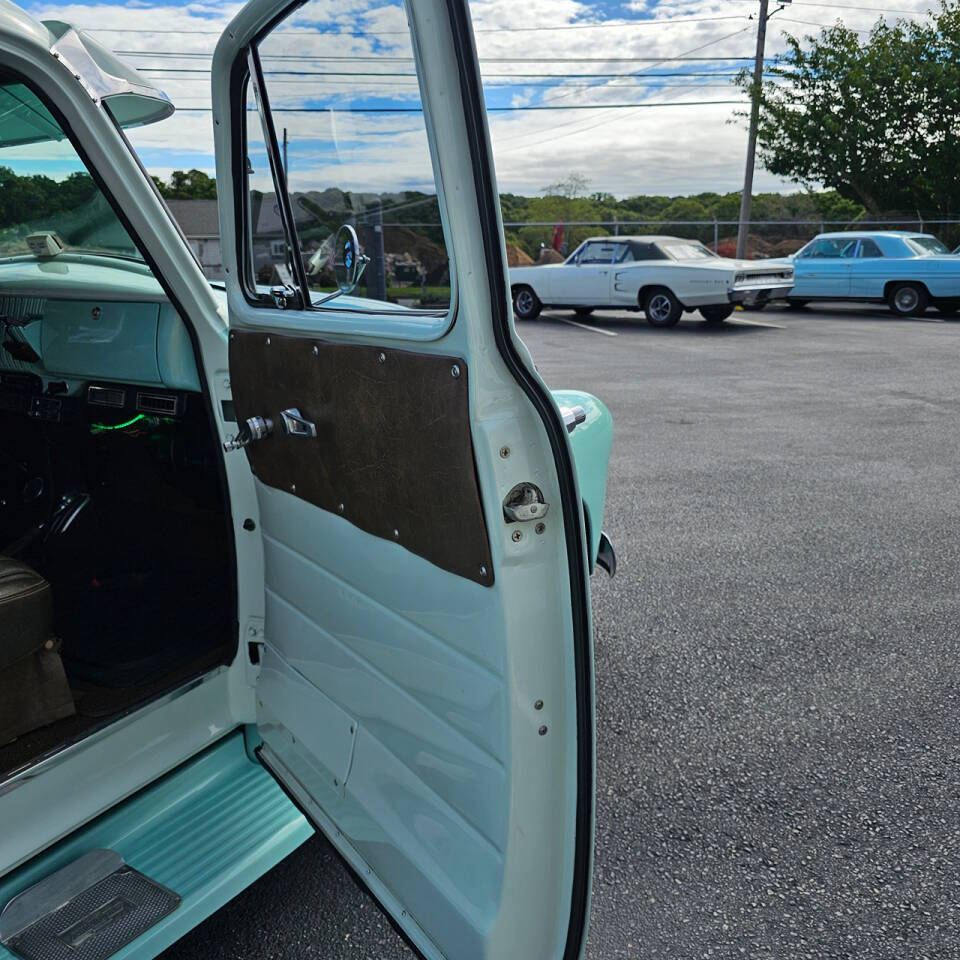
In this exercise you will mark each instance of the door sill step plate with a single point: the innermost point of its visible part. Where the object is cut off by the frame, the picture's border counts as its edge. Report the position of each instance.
(88, 910)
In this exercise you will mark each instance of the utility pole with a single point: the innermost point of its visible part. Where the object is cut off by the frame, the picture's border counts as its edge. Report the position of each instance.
(744, 225)
(286, 169)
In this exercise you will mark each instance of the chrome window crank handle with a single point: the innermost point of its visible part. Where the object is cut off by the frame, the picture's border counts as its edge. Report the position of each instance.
(256, 428)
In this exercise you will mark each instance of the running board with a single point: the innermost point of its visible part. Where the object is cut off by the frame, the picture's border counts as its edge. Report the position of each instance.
(199, 835)
(87, 910)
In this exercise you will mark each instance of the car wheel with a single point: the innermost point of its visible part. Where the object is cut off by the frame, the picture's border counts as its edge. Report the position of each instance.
(526, 304)
(907, 299)
(583, 311)
(662, 308)
(797, 304)
(716, 314)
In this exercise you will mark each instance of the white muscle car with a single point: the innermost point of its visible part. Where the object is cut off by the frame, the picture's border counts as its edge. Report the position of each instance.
(663, 276)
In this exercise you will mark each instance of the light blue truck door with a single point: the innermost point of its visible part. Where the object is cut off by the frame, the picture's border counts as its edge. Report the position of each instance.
(425, 688)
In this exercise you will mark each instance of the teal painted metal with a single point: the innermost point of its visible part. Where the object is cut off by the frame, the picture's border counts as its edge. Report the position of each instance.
(206, 831)
(80, 276)
(136, 335)
(591, 443)
(178, 368)
(116, 341)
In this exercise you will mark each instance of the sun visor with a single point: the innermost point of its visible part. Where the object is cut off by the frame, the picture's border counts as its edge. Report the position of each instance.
(131, 99)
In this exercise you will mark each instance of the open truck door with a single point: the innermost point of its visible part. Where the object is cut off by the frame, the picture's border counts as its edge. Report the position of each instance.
(425, 687)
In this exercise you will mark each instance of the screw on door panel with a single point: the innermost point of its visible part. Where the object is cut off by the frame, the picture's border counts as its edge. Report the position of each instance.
(504, 452)
(455, 370)
(543, 730)
(516, 536)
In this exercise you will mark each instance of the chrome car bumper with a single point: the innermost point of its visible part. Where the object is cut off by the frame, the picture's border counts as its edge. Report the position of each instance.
(757, 294)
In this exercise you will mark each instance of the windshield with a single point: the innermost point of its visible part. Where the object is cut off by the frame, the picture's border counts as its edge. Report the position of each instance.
(687, 251)
(45, 186)
(926, 246)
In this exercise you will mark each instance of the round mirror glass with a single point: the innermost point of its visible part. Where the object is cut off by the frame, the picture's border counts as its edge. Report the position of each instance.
(347, 259)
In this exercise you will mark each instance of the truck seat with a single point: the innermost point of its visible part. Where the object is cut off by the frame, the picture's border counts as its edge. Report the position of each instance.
(33, 686)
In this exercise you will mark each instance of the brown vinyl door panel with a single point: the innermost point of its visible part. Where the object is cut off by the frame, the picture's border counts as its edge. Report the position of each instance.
(393, 453)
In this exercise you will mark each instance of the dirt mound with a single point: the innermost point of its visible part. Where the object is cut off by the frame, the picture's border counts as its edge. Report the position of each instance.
(759, 248)
(549, 255)
(516, 257)
(400, 241)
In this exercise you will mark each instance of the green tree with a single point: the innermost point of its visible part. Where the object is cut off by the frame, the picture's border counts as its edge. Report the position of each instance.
(189, 185)
(875, 119)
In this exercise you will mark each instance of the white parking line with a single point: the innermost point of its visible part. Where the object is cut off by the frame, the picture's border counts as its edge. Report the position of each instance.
(742, 321)
(585, 326)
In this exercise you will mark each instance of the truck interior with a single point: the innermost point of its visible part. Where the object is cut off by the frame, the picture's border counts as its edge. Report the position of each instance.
(115, 582)
(116, 571)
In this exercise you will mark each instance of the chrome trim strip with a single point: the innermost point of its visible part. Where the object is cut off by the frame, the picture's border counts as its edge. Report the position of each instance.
(58, 755)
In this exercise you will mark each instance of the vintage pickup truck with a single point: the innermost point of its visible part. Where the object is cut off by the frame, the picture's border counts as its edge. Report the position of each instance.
(274, 559)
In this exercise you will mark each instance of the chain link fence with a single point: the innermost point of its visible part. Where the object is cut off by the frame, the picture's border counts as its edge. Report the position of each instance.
(766, 238)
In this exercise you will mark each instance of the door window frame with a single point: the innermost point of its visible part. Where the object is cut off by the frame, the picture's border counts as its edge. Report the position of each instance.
(333, 317)
(860, 255)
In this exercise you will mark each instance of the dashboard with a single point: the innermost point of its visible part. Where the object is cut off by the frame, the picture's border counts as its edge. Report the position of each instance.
(80, 334)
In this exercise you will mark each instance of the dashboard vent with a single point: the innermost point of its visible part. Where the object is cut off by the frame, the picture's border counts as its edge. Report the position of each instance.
(166, 404)
(106, 396)
(19, 311)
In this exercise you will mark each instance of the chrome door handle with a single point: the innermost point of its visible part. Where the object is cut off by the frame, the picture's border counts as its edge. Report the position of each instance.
(573, 417)
(296, 426)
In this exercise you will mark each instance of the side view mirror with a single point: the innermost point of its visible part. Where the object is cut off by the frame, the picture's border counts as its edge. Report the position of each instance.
(348, 262)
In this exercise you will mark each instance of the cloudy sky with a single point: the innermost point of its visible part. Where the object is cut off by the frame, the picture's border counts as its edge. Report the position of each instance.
(624, 109)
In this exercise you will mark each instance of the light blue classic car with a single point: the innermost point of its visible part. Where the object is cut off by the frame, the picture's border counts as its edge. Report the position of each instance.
(275, 559)
(907, 271)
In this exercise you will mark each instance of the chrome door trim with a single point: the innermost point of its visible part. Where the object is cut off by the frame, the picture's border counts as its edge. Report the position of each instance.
(58, 755)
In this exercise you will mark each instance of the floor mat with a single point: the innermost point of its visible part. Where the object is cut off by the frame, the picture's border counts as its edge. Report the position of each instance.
(130, 631)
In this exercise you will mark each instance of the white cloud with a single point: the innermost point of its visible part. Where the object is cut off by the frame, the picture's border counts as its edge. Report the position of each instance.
(650, 149)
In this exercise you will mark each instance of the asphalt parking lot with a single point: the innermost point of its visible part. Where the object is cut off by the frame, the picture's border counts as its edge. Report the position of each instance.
(778, 717)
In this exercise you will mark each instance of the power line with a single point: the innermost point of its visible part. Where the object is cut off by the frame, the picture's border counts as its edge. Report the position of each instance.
(401, 33)
(377, 58)
(537, 143)
(846, 6)
(365, 75)
(578, 123)
(572, 106)
(814, 23)
(697, 49)
(505, 84)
